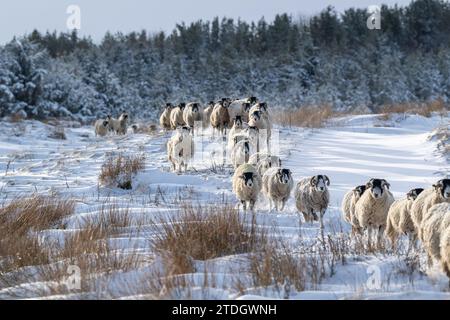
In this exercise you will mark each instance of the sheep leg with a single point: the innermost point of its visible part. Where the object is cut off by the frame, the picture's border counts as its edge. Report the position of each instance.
(283, 203)
(379, 235)
(244, 205)
(369, 237)
(321, 220)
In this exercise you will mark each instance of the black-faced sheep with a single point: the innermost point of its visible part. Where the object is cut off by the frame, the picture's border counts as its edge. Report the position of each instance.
(348, 207)
(240, 153)
(277, 186)
(120, 125)
(312, 196)
(220, 118)
(192, 114)
(101, 128)
(373, 207)
(399, 219)
(440, 192)
(176, 116)
(247, 185)
(264, 161)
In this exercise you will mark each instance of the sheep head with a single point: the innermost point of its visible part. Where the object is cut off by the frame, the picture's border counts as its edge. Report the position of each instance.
(443, 188)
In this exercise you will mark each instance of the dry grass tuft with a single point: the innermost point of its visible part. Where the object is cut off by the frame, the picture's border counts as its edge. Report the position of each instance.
(119, 171)
(309, 117)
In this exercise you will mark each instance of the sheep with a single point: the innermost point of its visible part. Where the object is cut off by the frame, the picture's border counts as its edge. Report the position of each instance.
(258, 120)
(348, 207)
(435, 222)
(240, 153)
(119, 126)
(164, 120)
(207, 114)
(235, 130)
(277, 186)
(220, 118)
(247, 185)
(445, 251)
(176, 116)
(101, 128)
(239, 108)
(264, 161)
(180, 149)
(311, 196)
(372, 208)
(192, 114)
(440, 192)
(399, 221)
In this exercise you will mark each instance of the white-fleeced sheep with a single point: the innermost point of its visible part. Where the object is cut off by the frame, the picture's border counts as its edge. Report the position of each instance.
(435, 222)
(240, 153)
(348, 207)
(312, 196)
(264, 161)
(176, 116)
(399, 220)
(247, 185)
(180, 149)
(256, 119)
(445, 251)
(101, 127)
(235, 130)
(277, 186)
(220, 118)
(207, 114)
(440, 192)
(239, 108)
(373, 207)
(164, 120)
(192, 114)
(120, 125)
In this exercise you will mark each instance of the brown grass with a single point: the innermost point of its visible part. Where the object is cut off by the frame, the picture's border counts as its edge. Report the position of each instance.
(119, 171)
(309, 117)
(425, 109)
(19, 222)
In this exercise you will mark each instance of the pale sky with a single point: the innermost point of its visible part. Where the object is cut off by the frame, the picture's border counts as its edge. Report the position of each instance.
(18, 17)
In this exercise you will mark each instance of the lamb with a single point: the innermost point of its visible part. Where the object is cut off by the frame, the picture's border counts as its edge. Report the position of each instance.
(176, 116)
(372, 208)
(119, 126)
(164, 120)
(311, 196)
(180, 149)
(348, 207)
(247, 185)
(220, 118)
(277, 186)
(445, 251)
(399, 219)
(240, 153)
(101, 128)
(435, 222)
(440, 192)
(192, 114)
(264, 161)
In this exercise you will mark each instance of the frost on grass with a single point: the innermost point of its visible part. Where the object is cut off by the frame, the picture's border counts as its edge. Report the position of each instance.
(119, 171)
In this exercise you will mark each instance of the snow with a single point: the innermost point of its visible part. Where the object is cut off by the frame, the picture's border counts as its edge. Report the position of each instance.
(351, 150)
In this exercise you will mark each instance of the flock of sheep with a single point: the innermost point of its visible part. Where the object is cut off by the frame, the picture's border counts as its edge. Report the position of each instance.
(422, 215)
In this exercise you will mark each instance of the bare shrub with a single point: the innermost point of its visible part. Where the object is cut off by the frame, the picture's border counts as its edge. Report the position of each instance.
(118, 171)
(309, 117)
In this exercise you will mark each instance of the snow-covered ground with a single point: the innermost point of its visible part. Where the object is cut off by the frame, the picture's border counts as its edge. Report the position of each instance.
(351, 150)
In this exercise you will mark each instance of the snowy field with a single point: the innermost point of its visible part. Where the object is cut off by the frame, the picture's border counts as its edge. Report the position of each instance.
(350, 150)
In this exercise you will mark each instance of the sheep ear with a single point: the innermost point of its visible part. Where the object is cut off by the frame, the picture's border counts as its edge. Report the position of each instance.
(328, 180)
(437, 186)
(386, 184)
(312, 181)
